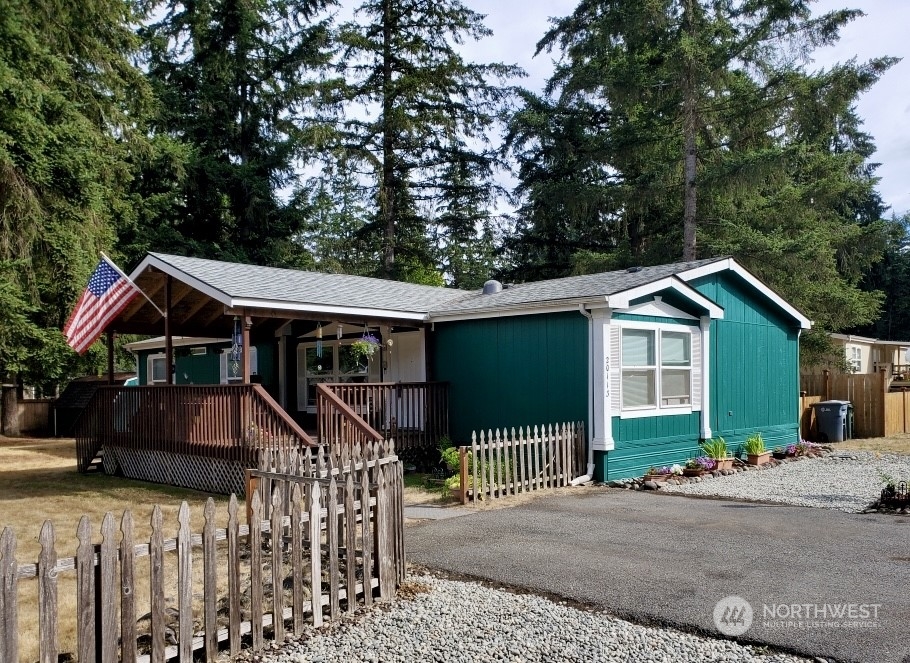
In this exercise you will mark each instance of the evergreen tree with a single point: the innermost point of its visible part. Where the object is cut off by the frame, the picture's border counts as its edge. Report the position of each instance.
(675, 98)
(423, 110)
(70, 102)
(231, 77)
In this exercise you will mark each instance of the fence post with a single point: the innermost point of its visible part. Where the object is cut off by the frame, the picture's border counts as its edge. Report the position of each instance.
(251, 485)
(463, 472)
(827, 375)
(884, 376)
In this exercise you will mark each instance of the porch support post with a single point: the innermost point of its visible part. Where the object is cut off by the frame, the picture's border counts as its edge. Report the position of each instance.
(247, 323)
(168, 331)
(602, 366)
(110, 357)
(705, 325)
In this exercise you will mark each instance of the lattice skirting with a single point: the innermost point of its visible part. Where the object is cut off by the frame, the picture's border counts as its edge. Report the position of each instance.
(212, 475)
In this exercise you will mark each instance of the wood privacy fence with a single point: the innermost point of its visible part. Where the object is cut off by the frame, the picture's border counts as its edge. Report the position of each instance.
(504, 463)
(873, 406)
(337, 544)
(34, 415)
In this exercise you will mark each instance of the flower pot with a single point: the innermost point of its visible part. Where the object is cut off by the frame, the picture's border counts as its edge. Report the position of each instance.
(724, 463)
(656, 477)
(758, 459)
(692, 472)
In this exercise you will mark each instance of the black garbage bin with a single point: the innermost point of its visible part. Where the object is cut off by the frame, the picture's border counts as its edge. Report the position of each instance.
(831, 417)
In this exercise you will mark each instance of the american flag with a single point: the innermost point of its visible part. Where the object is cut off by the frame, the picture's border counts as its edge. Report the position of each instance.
(108, 293)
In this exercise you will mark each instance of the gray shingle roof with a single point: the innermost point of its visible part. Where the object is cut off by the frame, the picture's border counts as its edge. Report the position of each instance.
(570, 287)
(240, 281)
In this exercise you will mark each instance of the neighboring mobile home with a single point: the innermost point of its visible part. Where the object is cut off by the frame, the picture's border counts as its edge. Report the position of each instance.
(652, 359)
(869, 355)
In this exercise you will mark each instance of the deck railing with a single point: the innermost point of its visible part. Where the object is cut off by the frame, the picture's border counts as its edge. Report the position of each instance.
(413, 414)
(227, 422)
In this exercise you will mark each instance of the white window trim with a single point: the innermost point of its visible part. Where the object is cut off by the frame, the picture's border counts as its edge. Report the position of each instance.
(223, 366)
(657, 410)
(150, 373)
(336, 358)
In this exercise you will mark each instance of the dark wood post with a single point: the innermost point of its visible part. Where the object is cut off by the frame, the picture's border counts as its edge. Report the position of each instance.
(463, 471)
(168, 341)
(247, 323)
(827, 385)
(110, 357)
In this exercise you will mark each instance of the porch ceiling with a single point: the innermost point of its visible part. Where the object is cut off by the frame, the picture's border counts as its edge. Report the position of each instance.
(198, 313)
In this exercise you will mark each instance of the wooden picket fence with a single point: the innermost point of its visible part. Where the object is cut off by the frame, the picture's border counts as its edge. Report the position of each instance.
(504, 463)
(867, 392)
(348, 523)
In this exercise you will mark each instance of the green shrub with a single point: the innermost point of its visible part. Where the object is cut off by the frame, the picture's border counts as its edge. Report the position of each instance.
(716, 448)
(754, 445)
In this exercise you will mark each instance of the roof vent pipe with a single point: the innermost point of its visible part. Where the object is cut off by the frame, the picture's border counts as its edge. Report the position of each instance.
(491, 287)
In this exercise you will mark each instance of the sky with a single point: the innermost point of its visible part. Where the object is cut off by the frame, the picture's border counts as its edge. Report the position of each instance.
(519, 24)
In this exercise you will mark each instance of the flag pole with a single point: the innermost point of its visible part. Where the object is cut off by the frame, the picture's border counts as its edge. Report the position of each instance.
(141, 291)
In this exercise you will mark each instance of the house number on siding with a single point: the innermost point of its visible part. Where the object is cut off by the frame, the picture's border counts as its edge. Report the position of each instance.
(606, 377)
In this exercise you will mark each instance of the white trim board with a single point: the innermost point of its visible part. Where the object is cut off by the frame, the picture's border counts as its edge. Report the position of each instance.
(623, 300)
(733, 266)
(658, 308)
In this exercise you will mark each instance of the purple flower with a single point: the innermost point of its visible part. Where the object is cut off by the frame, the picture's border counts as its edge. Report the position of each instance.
(791, 449)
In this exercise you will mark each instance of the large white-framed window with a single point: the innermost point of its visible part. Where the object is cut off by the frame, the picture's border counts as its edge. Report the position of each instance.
(656, 369)
(855, 358)
(231, 372)
(336, 365)
(156, 369)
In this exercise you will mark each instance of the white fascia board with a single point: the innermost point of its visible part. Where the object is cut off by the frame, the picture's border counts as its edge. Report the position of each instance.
(751, 279)
(623, 300)
(180, 275)
(176, 341)
(522, 309)
(358, 312)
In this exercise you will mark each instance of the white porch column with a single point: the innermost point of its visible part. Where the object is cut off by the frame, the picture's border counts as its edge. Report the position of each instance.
(705, 325)
(601, 366)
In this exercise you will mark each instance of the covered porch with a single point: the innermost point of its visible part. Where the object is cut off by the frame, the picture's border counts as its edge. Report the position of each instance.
(252, 358)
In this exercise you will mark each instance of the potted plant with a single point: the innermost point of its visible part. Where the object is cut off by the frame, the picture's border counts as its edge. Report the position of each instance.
(661, 473)
(695, 467)
(716, 450)
(365, 347)
(779, 453)
(756, 453)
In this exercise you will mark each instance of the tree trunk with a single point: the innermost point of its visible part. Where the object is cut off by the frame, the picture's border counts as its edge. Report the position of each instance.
(9, 404)
(690, 127)
(387, 194)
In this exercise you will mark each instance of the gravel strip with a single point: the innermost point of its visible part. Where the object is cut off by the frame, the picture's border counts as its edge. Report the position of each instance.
(847, 481)
(459, 621)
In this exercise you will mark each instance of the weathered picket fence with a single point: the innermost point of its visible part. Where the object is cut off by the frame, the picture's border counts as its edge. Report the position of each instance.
(504, 463)
(326, 546)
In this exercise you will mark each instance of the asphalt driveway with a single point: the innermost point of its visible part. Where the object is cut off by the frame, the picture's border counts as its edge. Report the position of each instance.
(670, 559)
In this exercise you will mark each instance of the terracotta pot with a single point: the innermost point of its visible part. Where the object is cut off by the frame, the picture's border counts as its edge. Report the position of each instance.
(656, 477)
(758, 459)
(691, 472)
(724, 463)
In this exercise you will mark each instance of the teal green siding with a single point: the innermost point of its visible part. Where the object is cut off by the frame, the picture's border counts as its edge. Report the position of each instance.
(513, 371)
(646, 441)
(206, 369)
(754, 385)
(754, 365)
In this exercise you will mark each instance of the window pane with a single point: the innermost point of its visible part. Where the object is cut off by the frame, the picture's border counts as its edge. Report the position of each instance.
(320, 365)
(675, 348)
(159, 372)
(637, 347)
(676, 387)
(638, 388)
(349, 364)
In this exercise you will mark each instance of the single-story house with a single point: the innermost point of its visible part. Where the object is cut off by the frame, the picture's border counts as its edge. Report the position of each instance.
(652, 359)
(869, 355)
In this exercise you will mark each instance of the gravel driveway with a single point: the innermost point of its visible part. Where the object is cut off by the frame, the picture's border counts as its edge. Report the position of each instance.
(848, 482)
(457, 621)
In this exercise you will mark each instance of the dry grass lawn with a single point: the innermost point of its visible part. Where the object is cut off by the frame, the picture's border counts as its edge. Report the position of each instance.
(39, 481)
(895, 444)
